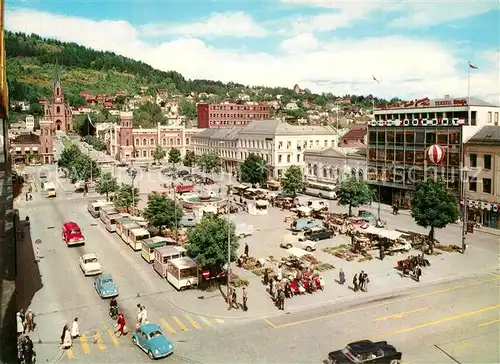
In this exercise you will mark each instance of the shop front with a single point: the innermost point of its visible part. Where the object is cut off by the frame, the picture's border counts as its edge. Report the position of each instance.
(483, 213)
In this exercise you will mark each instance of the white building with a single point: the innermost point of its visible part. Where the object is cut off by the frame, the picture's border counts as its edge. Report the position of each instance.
(280, 144)
(30, 123)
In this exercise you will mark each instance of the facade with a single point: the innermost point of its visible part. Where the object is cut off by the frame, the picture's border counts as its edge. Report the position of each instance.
(400, 135)
(30, 148)
(482, 158)
(30, 123)
(227, 115)
(57, 110)
(355, 137)
(129, 144)
(330, 165)
(280, 144)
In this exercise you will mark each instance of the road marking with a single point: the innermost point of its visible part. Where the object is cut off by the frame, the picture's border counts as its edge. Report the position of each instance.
(435, 322)
(401, 314)
(205, 321)
(180, 323)
(85, 346)
(219, 321)
(98, 341)
(167, 326)
(489, 323)
(69, 353)
(382, 304)
(494, 274)
(192, 322)
(113, 337)
(270, 323)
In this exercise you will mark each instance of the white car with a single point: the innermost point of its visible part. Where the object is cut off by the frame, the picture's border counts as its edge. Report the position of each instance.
(244, 230)
(89, 264)
(298, 241)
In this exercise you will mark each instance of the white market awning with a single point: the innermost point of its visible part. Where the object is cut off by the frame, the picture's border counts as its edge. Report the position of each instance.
(34, 149)
(384, 233)
(18, 149)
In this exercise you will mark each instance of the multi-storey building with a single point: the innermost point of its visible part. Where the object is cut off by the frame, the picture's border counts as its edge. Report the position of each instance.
(129, 144)
(227, 115)
(400, 135)
(280, 144)
(482, 193)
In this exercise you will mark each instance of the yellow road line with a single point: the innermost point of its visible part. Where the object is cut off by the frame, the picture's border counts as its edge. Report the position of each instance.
(219, 321)
(180, 323)
(98, 341)
(435, 322)
(167, 326)
(488, 323)
(205, 321)
(401, 314)
(270, 323)
(494, 274)
(192, 322)
(85, 346)
(382, 304)
(69, 353)
(113, 337)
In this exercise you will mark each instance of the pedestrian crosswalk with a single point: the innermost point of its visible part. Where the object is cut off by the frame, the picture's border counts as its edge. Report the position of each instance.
(106, 338)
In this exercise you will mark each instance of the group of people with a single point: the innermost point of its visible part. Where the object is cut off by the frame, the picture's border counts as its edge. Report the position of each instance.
(233, 299)
(142, 316)
(25, 322)
(360, 282)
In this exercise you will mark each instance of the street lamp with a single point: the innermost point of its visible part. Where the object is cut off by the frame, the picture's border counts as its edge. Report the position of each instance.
(132, 174)
(271, 140)
(465, 180)
(228, 205)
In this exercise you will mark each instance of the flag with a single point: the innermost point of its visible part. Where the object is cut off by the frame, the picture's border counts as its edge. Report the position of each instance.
(90, 120)
(89, 126)
(374, 79)
(473, 67)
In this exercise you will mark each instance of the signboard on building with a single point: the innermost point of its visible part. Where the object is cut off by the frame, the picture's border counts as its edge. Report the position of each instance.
(425, 102)
(418, 122)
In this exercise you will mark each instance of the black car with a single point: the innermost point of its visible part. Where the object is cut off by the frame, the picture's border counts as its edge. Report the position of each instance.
(316, 234)
(366, 351)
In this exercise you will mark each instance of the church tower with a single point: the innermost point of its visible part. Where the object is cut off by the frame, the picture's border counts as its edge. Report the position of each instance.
(57, 110)
(47, 141)
(125, 139)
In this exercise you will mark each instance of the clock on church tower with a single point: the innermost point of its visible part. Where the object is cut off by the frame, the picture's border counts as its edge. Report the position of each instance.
(58, 99)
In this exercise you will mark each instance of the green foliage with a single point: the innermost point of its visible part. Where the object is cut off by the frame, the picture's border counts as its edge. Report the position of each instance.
(124, 199)
(209, 162)
(162, 211)
(354, 192)
(432, 206)
(189, 159)
(36, 109)
(148, 115)
(69, 154)
(253, 170)
(293, 181)
(107, 184)
(159, 153)
(298, 113)
(208, 241)
(174, 156)
(78, 164)
(97, 143)
(188, 109)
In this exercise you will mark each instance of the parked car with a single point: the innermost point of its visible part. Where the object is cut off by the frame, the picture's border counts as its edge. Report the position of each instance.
(366, 351)
(187, 221)
(305, 224)
(150, 339)
(105, 286)
(291, 240)
(318, 233)
(244, 230)
(89, 264)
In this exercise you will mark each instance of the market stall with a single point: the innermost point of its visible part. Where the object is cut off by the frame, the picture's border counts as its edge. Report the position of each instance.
(258, 207)
(163, 255)
(149, 246)
(182, 273)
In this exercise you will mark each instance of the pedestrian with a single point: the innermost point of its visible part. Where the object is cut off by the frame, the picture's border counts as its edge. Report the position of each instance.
(355, 283)
(27, 349)
(366, 280)
(144, 315)
(341, 276)
(381, 253)
(245, 298)
(246, 249)
(234, 300)
(66, 341)
(418, 273)
(75, 329)
(20, 324)
(30, 320)
(281, 299)
(271, 286)
(23, 318)
(27, 196)
(122, 325)
(279, 273)
(266, 276)
(361, 278)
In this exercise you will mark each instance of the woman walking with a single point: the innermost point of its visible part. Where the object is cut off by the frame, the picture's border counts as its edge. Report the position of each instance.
(66, 341)
(75, 329)
(122, 328)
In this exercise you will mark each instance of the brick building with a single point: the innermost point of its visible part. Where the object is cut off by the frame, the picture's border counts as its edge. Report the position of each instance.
(57, 110)
(227, 115)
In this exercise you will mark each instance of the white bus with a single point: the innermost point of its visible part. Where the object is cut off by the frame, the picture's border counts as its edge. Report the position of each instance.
(321, 190)
(50, 189)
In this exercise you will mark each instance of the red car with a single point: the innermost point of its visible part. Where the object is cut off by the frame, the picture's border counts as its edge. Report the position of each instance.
(72, 234)
(183, 189)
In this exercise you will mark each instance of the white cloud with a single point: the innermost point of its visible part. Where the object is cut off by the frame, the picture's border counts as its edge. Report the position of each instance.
(300, 44)
(406, 67)
(231, 24)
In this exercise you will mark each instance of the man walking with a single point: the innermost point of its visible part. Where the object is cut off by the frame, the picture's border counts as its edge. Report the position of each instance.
(362, 280)
(281, 298)
(246, 249)
(355, 283)
(341, 276)
(366, 280)
(30, 321)
(245, 297)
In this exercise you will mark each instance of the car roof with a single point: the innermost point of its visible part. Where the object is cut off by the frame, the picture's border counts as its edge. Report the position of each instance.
(364, 346)
(71, 224)
(149, 327)
(105, 276)
(89, 255)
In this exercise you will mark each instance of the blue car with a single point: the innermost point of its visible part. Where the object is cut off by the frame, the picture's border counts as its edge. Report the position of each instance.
(105, 286)
(151, 340)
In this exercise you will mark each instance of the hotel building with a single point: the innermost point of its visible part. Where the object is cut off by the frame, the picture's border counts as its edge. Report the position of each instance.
(228, 115)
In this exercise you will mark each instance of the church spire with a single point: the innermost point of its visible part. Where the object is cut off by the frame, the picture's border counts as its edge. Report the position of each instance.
(57, 76)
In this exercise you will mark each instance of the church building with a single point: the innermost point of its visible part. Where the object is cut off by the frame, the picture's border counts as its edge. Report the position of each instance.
(57, 110)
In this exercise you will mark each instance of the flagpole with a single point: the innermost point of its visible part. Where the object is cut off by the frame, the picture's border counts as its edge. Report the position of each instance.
(469, 111)
(379, 187)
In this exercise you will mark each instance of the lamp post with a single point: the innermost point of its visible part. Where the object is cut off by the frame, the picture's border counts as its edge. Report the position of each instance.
(465, 179)
(271, 140)
(132, 174)
(228, 205)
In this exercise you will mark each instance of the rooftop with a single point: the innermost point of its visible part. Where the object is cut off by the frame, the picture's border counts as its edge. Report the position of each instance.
(27, 139)
(278, 127)
(487, 134)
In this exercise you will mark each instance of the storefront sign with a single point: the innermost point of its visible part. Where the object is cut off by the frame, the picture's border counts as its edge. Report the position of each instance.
(425, 102)
(418, 122)
(481, 205)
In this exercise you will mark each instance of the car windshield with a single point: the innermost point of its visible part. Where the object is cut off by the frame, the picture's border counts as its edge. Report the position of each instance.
(155, 333)
(75, 231)
(91, 260)
(351, 355)
(106, 280)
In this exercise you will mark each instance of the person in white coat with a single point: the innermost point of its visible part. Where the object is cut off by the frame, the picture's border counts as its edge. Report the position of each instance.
(20, 324)
(66, 341)
(75, 329)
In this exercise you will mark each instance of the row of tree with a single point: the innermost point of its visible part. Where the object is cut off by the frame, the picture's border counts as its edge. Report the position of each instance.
(78, 165)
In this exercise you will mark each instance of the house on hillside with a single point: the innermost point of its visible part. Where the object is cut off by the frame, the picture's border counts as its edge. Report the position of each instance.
(355, 137)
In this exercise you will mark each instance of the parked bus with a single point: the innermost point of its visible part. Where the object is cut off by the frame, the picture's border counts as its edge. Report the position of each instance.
(321, 190)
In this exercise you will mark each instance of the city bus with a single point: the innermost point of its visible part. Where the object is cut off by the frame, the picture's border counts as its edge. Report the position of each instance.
(321, 190)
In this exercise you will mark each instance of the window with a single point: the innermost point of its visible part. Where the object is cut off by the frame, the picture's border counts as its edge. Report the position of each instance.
(496, 119)
(288, 158)
(279, 158)
(472, 184)
(400, 137)
(151, 141)
(187, 141)
(46, 150)
(442, 139)
(58, 110)
(490, 117)
(137, 142)
(381, 137)
(372, 136)
(144, 141)
(430, 138)
(390, 137)
(473, 160)
(144, 153)
(178, 141)
(486, 185)
(164, 141)
(487, 161)
(409, 137)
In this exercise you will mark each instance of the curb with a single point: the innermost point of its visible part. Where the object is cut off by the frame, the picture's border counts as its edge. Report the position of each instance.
(329, 302)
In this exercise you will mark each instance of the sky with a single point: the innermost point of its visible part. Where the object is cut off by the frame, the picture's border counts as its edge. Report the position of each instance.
(413, 49)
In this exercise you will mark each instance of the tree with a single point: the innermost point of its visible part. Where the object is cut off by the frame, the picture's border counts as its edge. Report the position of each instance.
(68, 155)
(208, 241)
(354, 192)
(174, 156)
(188, 109)
(162, 211)
(124, 198)
(159, 153)
(293, 181)
(83, 168)
(209, 162)
(36, 109)
(107, 184)
(253, 170)
(189, 159)
(432, 206)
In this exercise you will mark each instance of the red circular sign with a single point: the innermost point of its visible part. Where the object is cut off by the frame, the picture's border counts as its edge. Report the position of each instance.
(435, 154)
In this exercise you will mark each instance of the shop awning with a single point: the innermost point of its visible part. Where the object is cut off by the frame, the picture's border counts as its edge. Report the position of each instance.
(18, 149)
(34, 149)
(384, 233)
